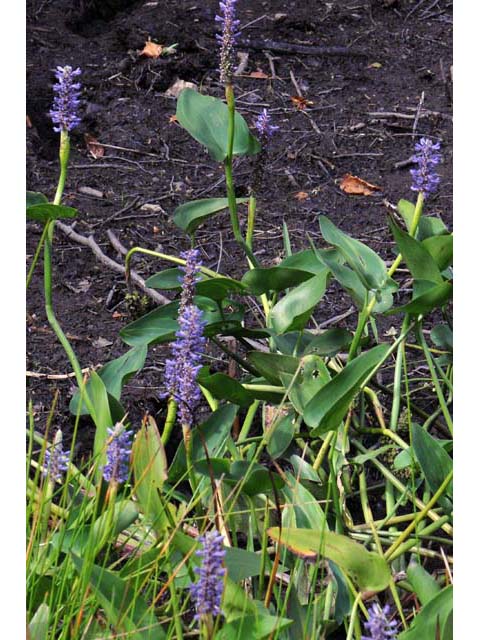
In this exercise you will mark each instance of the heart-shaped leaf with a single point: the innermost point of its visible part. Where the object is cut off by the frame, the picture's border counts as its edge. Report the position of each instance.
(34, 197)
(206, 119)
(190, 215)
(260, 281)
(419, 261)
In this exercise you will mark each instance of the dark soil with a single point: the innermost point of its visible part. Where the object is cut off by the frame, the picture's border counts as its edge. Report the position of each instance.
(405, 53)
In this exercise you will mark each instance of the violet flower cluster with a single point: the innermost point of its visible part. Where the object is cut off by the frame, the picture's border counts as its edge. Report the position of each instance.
(56, 459)
(187, 350)
(264, 127)
(378, 625)
(424, 177)
(66, 101)
(227, 39)
(119, 449)
(208, 590)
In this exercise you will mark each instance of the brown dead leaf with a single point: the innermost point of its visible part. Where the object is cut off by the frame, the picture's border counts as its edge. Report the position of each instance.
(259, 74)
(156, 230)
(117, 315)
(178, 86)
(301, 195)
(152, 49)
(300, 102)
(94, 147)
(356, 186)
(173, 119)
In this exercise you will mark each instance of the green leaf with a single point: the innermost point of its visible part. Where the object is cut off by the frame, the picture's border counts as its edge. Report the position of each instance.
(441, 250)
(150, 468)
(99, 398)
(368, 266)
(271, 365)
(34, 197)
(306, 260)
(308, 512)
(38, 626)
(190, 215)
(294, 310)
(258, 480)
(242, 564)
(427, 227)
(419, 261)
(261, 281)
(442, 337)
(367, 569)
(282, 434)
(214, 431)
(253, 627)
(224, 387)
(44, 212)
(124, 607)
(434, 461)
(219, 288)
(115, 375)
(206, 119)
(424, 585)
(435, 295)
(312, 377)
(330, 342)
(437, 613)
(328, 407)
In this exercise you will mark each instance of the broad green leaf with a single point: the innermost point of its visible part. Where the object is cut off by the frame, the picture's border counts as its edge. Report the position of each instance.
(419, 261)
(214, 432)
(206, 119)
(44, 212)
(369, 267)
(434, 295)
(441, 250)
(253, 627)
(103, 419)
(150, 468)
(343, 603)
(312, 377)
(367, 569)
(436, 613)
(434, 461)
(294, 310)
(281, 434)
(330, 342)
(190, 215)
(168, 279)
(34, 197)
(219, 288)
(427, 227)
(124, 607)
(442, 336)
(38, 626)
(225, 388)
(270, 365)
(293, 343)
(258, 480)
(424, 585)
(260, 280)
(308, 512)
(308, 260)
(115, 375)
(328, 407)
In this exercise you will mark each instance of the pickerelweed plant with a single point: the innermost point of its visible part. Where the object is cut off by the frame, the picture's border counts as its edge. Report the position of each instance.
(314, 495)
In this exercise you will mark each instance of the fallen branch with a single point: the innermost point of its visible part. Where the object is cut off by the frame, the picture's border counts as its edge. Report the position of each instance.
(299, 49)
(90, 242)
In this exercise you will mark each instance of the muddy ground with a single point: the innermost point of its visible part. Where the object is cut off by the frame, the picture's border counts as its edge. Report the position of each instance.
(365, 109)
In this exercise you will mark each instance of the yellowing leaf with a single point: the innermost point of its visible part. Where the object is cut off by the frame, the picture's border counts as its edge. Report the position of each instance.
(300, 102)
(259, 74)
(356, 186)
(375, 65)
(301, 195)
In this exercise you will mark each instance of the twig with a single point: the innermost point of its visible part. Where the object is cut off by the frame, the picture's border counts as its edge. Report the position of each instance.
(90, 242)
(417, 115)
(299, 49)
(59, 376)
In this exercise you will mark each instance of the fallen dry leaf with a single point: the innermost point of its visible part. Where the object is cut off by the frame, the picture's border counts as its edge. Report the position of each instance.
(152, 49)
(172, 119)
(116, 315)
(259, 74)
(301, 195)
(156, 230)
(178, 86)
(356, 186)
(375, 65)
(300, 102)
(94, 147)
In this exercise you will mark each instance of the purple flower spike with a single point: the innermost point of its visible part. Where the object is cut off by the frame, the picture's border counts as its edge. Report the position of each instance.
(56, 459)
(425, 178)
(208, 590)
(66, 100)
(119, 449)
(182, 368)
(227, 39)
(263, 126)
(378, 625)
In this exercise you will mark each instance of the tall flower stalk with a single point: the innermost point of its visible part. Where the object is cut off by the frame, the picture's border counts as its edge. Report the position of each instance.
(187, 351)
(207, 592)
(55, 464)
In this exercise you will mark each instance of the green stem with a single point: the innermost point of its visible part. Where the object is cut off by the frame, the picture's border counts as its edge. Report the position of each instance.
(252, 206)
(436, 382)
(187, 438)
(35, 257)
(169, 420)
